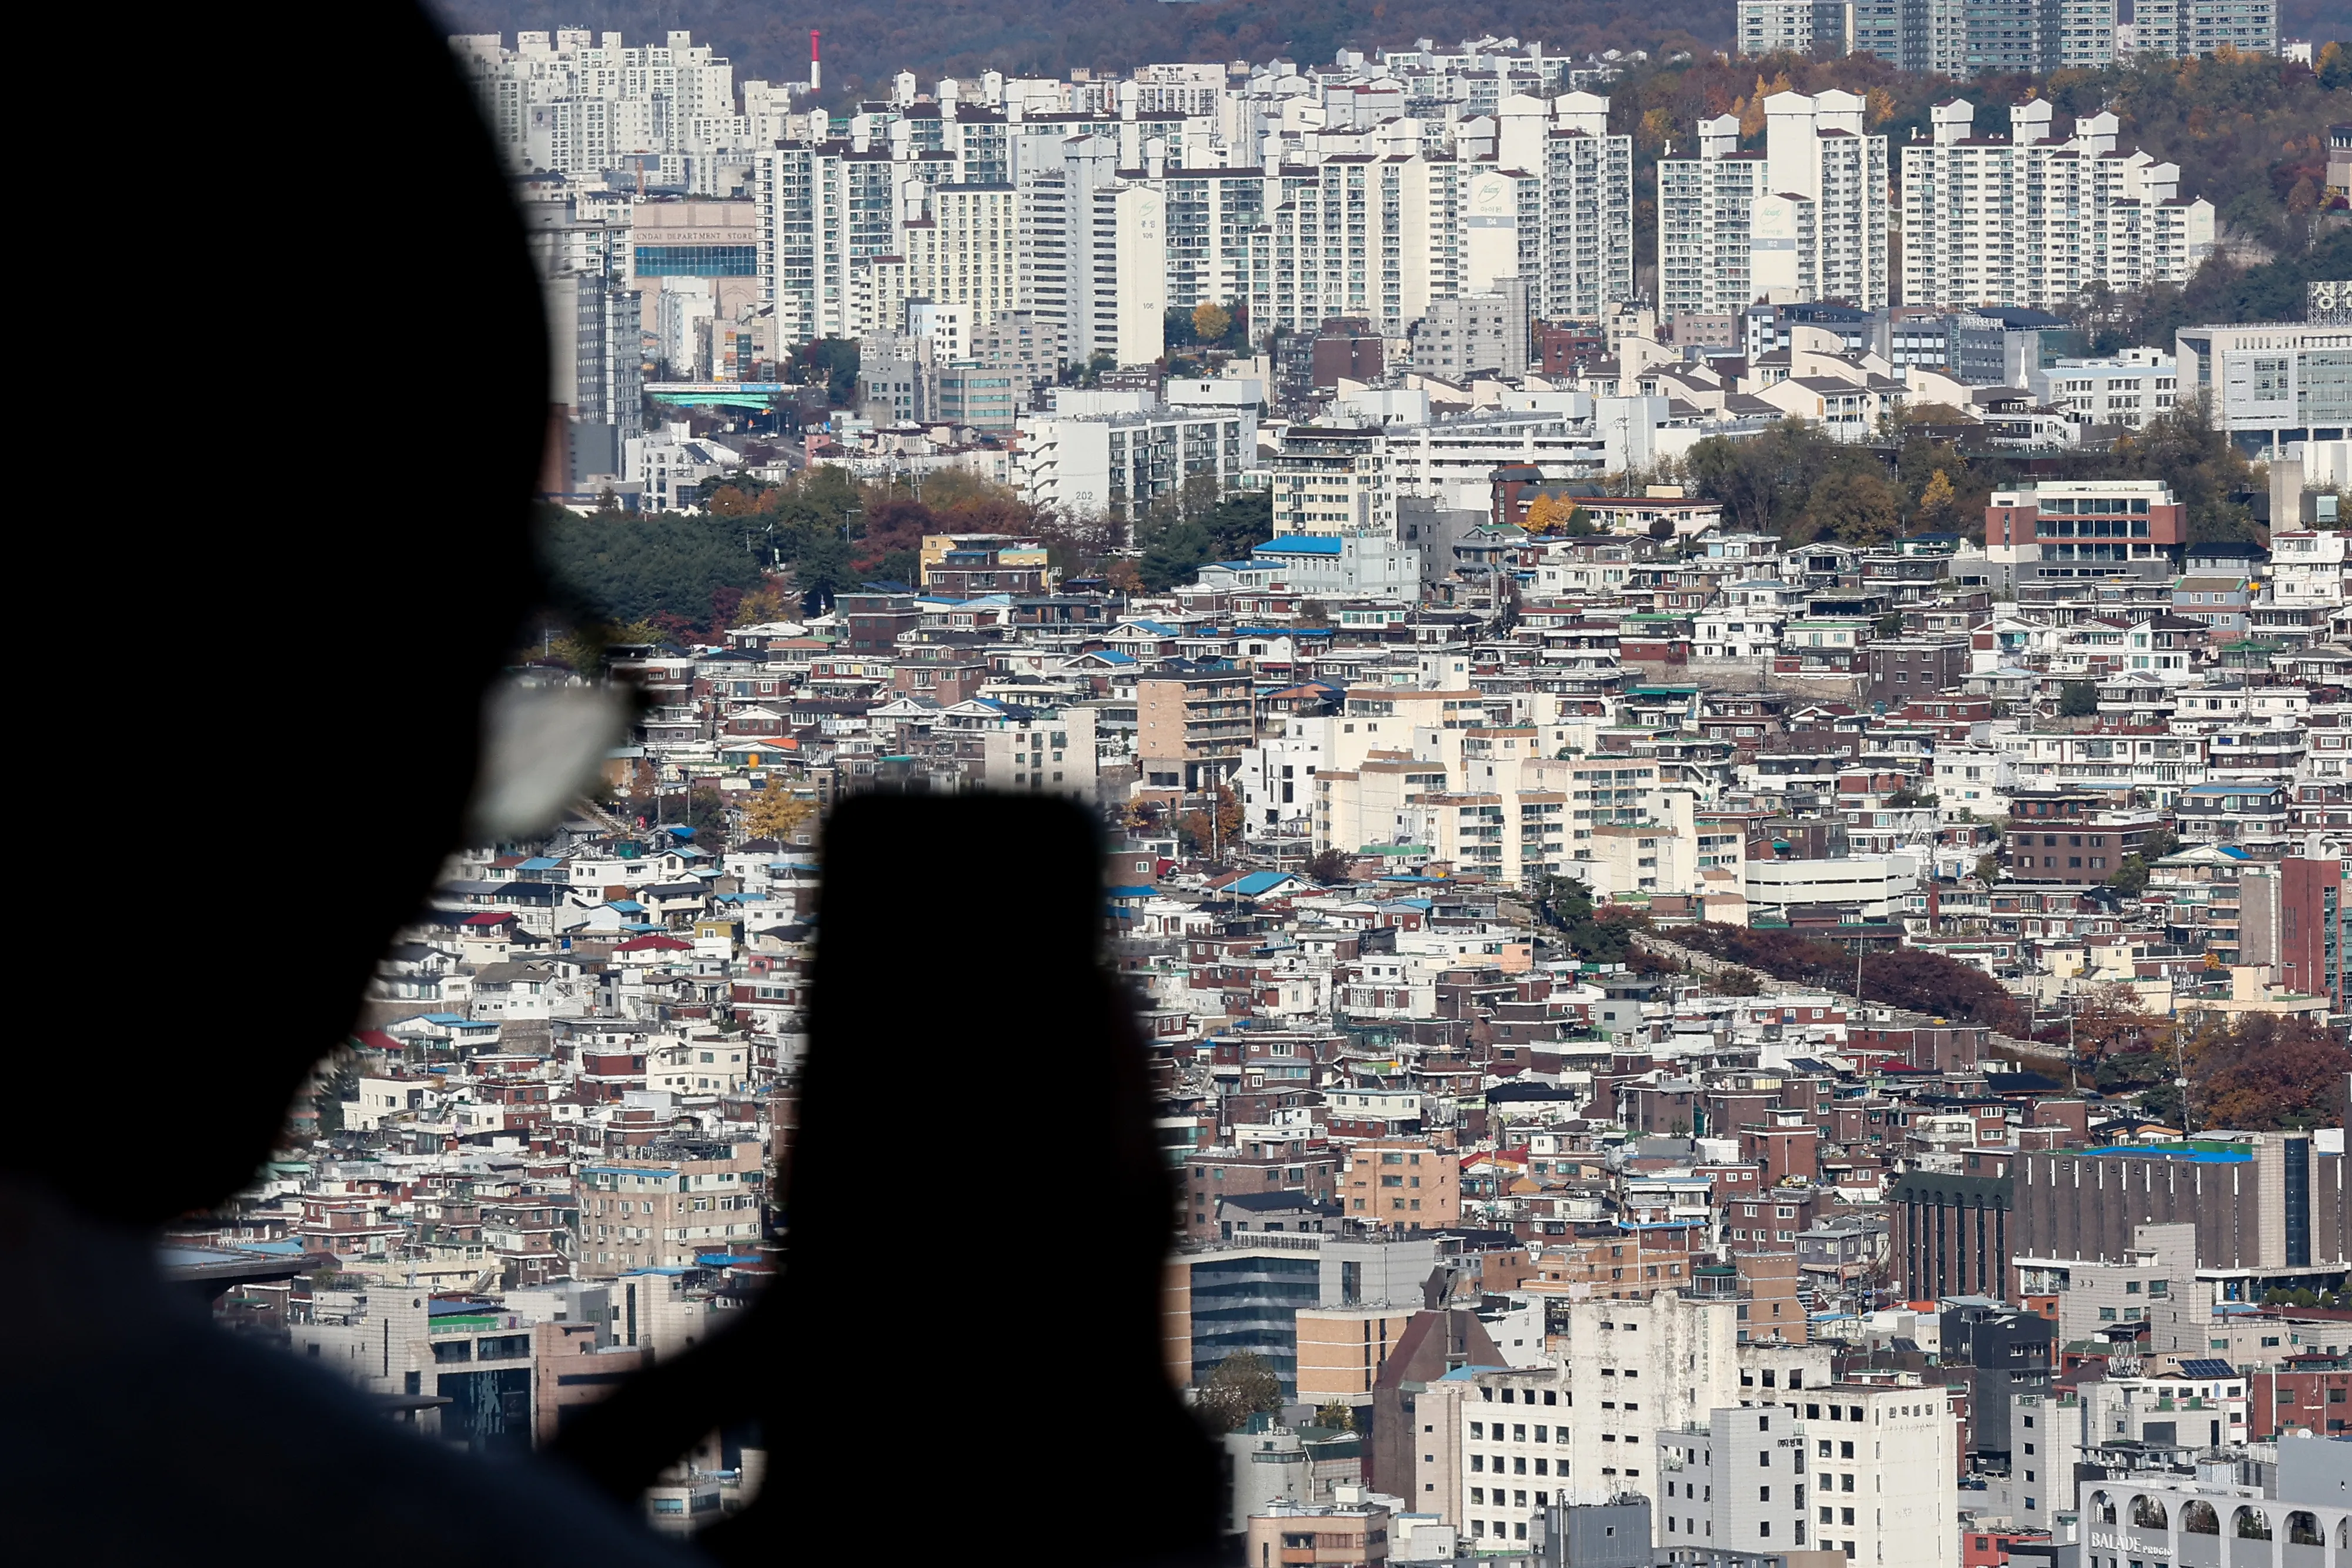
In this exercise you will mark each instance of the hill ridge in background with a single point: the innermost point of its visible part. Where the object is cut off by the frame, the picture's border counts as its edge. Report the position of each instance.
(868, 41)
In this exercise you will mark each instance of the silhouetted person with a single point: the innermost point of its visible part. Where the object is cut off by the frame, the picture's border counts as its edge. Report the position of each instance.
(965, 1336)
(314, 546)
(311, 534)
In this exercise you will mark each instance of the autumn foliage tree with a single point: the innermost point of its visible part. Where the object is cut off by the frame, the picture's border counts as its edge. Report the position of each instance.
(775, 812)
(1549, 514)
(2268, 1071)
(1225, 836)
(1903, 976)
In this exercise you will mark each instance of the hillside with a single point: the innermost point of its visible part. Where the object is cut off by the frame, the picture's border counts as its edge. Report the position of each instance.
(868, 41)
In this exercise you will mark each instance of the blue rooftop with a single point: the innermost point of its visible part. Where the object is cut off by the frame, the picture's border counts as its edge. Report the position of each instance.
(1300, 544)
(2191, 1153)
(1258, 882)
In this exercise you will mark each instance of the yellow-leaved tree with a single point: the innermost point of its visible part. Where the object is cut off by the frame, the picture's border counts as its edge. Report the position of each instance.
(775, 812)
(767, 602)
(1555, 515)
(1936, 501)
(1211, 321)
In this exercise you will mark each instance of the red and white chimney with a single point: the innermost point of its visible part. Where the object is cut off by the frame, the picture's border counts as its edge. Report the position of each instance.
(816, 69)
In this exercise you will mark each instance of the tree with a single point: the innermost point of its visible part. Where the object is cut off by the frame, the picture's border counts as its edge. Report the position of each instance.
(2107, 1022)
(1329, 867)
(2269, 1072)
(775, 812)
(1597, 937)
(1241, 1386)
(1859, 507)
(2131, 876)
(1550, 514)
(1937, 502)
(1336, 1417)
(830, 364)
(1211, 322)
(768, 602)
(619, 566)
(1174, 551)
(1900, 977)
(338, 1084)
(1238, 524)
(2077, 699)
(1736, 983)
(1224, 836)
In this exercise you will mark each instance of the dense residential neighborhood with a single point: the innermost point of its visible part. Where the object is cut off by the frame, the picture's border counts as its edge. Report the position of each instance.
(1737, 883)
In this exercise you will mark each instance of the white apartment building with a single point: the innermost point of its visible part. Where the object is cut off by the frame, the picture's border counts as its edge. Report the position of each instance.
(2131, 389)
(1277, 775)
(2156, 769)
(1454, 459)
(1806, 219)
(2181, 29)
(1866, 1469)
(1340, 566)
(670, 463)
(577, 103)
(1582, 1432)
(2029, 222)
(1823, 27)
(2310, 567)
(2271, 382)
(1972, 780)
(1050, 751)
(1879, 884)
(1333, 481)
(1114, 464)
(1739, 632)
(1640, 1368)
(1705, 204)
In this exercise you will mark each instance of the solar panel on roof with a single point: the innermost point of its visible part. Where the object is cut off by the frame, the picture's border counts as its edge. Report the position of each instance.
(2208, 1368)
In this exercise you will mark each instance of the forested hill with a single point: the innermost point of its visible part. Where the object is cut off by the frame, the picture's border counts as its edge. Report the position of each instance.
(868, 41)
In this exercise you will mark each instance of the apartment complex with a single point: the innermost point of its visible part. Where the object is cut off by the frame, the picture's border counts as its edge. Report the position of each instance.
(2028, 221)
(1806, 219)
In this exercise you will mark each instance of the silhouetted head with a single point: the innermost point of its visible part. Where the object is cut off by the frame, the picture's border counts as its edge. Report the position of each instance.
(358, 432)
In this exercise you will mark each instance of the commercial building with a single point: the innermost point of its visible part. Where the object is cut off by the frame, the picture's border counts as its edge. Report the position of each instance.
(2268, 383)
(2267, 1207)
(2120, 528)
